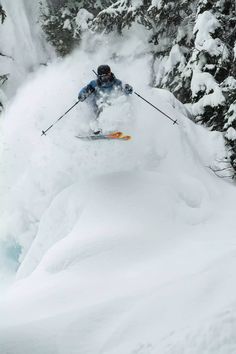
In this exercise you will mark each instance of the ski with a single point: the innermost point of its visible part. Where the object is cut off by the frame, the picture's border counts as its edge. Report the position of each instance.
(110, 136)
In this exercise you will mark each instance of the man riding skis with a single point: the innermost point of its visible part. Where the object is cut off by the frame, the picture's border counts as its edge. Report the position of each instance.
(99, 90)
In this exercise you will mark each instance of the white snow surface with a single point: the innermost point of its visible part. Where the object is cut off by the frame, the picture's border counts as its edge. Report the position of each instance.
(126, 247)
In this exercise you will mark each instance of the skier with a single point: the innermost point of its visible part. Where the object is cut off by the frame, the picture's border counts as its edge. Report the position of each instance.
(101, 89)
(103, 86)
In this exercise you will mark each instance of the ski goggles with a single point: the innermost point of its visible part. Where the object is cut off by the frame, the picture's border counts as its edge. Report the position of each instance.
(105, 77)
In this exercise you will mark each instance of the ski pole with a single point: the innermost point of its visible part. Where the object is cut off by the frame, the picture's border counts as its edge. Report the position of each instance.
(174, 121)
(45, 131)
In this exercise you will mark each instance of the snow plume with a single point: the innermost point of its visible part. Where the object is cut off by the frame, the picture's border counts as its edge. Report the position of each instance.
(120, 243)
(50, 93)
(82, 19)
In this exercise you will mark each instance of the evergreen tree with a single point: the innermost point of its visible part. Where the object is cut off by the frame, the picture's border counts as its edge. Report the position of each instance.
(173, 41)
(64, 21)
(56, 23)
(199, 61)
(119, 15)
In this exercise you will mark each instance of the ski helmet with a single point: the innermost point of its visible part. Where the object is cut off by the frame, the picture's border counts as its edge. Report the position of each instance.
(103, 70)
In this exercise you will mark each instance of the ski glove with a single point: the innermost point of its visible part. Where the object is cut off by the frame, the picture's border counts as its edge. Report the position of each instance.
(82, 97)
(128, 89)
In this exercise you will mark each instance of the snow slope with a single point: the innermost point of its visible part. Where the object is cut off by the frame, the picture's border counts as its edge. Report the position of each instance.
(126, 247)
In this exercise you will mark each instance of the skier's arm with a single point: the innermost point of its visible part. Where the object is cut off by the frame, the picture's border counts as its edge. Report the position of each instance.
(126, 88)
(86, 91)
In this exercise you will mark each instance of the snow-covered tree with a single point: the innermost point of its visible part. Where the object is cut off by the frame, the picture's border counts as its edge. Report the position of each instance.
(195, 58)
(213, 84)
(120, 14)
(172, 25)
(64, 21)
(57, 24)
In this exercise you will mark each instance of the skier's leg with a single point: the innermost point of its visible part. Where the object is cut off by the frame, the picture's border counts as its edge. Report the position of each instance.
(94, 125)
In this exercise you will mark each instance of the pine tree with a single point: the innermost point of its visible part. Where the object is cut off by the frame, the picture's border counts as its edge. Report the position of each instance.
(56, 25)
(173, 41)
(119, 15)
(195, 46)
(64, 21)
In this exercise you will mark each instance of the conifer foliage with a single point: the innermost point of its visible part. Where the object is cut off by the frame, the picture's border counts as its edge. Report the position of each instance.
(64, 24)
(193, 45)
(119, 15)
(58, 25)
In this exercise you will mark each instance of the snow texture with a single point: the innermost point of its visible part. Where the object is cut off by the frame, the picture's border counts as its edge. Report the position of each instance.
(124, 247)
(82, 19)
(206, 25)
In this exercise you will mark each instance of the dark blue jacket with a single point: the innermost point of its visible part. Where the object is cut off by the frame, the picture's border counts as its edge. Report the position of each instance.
(97, 89)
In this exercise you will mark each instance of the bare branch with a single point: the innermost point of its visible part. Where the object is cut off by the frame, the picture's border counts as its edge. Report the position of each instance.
(215, 172)
(2, 14)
